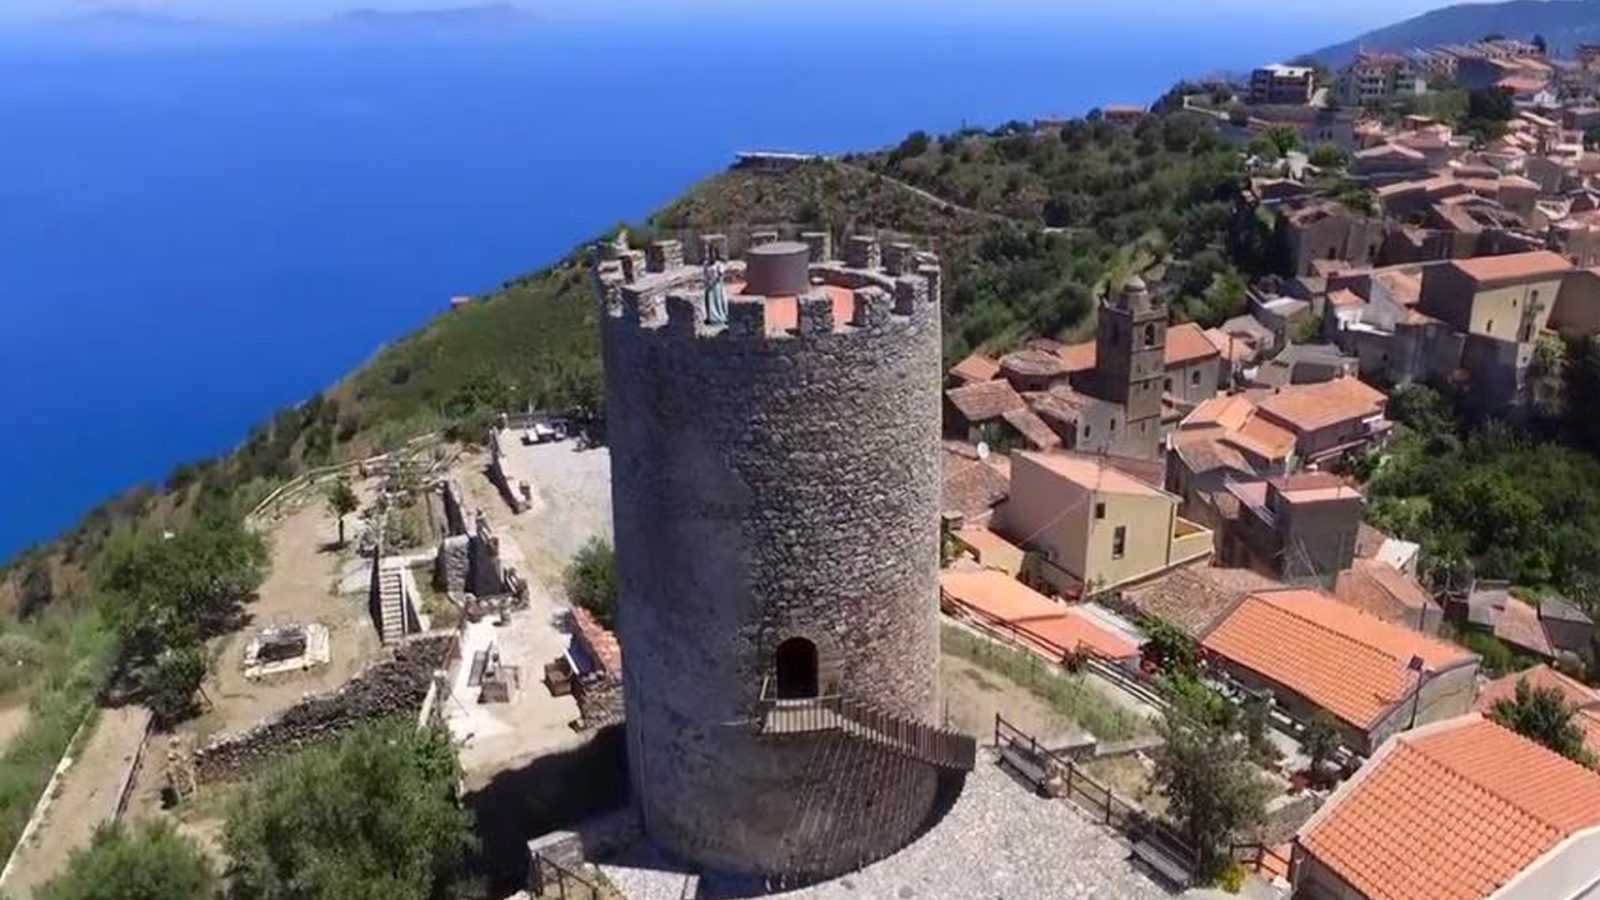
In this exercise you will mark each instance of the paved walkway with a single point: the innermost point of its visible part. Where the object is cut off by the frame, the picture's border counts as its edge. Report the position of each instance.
(85, 797)
(1000, 840)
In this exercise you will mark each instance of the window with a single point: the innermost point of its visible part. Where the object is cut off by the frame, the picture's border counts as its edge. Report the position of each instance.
(1087, 431)
(1168, 385)
(1119, 542)
(795, 665)
(1194, 377)
(1113, 426)
(1489, 327)
(1533, 299)
(1150, 335)
(1099, 510)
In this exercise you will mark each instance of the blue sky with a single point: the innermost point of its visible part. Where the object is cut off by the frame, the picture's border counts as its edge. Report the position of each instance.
(1352, 14)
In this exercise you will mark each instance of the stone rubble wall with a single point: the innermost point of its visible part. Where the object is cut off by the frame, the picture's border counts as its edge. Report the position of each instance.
(396, 686)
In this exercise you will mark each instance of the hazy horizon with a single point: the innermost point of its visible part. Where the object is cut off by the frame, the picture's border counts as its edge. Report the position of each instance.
(1355, 15)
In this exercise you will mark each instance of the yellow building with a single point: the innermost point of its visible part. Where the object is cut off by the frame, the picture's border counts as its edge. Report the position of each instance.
(1092, 527)
(1508, 298)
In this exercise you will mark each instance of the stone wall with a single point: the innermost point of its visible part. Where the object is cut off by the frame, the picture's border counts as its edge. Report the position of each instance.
(396, 686)
(501, 478)
(455, 507)
(768, 487)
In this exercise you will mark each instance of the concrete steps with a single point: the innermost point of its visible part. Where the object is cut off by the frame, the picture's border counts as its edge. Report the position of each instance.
(391, 605)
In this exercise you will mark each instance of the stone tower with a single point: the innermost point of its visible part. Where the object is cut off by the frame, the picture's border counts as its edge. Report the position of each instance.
(775, 483)
(1130, 353)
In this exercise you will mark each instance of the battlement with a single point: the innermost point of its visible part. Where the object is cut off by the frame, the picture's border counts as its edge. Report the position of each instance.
(782, 289)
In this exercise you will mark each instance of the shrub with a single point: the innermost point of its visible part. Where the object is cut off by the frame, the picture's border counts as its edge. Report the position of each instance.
(153, 862)
(591, 580)
(171, 683)
(373, 817)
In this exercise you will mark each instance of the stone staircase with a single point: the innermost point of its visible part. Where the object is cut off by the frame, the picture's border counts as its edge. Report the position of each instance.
(391, 605)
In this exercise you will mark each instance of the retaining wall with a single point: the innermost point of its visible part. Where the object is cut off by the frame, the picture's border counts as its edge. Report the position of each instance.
(397, 686)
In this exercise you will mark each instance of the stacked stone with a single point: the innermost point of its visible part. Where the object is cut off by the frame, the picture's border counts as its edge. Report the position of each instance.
(664, 256)
(862, 252)
(820, 243)
(757, 238)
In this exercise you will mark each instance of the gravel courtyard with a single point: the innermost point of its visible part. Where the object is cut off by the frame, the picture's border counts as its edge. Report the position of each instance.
(999, 841)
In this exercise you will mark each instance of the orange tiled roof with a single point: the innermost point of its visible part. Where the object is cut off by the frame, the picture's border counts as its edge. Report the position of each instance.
(997, 597)
(1513, 266)
(976, 368)
(1451, 812)
(1187, 343)
(1080, 357)
(1376, 587)
(1309, 407)
(1092, 474)
(1346, 298)
(1343, 660)
(1228, 411)
(985, 401)
(1518, 623)
(1538, 677)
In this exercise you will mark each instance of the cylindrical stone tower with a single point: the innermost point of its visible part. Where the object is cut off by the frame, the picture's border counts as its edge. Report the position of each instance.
(775, 484)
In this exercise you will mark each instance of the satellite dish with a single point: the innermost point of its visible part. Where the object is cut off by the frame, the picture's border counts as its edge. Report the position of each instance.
(983, 451)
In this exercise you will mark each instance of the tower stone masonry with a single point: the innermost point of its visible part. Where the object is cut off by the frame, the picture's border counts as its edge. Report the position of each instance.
(775, 483)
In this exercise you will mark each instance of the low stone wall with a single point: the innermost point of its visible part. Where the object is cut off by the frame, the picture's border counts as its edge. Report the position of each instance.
(455, 508)
(396, 686)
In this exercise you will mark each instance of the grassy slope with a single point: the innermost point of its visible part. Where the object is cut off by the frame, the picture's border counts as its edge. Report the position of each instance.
(534, 341)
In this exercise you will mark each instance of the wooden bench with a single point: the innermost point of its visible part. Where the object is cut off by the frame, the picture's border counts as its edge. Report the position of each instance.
(1026, 765)
(1164, 860)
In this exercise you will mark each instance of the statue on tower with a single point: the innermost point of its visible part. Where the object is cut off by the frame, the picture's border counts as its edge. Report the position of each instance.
(716, 297)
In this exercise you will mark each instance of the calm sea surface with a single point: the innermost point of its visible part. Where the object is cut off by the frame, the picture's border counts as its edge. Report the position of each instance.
(195, 233)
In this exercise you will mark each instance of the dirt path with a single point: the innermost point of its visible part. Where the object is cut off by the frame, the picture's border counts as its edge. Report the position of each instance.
(85, 797)
(299, 589)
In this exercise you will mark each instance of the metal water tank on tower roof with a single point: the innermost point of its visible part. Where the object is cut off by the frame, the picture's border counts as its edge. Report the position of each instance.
(779, 269)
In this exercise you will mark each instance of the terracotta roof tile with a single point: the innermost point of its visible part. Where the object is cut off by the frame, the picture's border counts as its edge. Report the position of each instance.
(1194, 598)
(1347, 662)
(1540, 677)
(976, 369)
(1518, 624)
(984, 402)
(1092, 474)
(1380, 589)
(1513, 266)
(1345, 298)
(1038, 434)
(1451, 812)
(1080, 357)
(1187, 343)
(1049, 627)
(1309, 407)
(972, 487)
(1033, 364)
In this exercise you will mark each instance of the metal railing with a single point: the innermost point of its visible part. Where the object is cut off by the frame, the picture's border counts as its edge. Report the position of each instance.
(549, 879)
(1094, 798)
(1260, 859)
(779, 717)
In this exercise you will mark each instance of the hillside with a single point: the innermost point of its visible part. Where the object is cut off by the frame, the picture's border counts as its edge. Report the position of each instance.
(1563, 23)
(1029, 225)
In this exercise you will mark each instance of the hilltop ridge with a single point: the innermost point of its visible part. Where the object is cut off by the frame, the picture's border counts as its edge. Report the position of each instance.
(1563, 23)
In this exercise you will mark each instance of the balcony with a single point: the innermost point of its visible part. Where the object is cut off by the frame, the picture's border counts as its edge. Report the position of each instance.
(777, 718)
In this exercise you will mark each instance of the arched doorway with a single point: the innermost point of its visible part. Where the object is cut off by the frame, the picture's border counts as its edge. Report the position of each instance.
(795, 663)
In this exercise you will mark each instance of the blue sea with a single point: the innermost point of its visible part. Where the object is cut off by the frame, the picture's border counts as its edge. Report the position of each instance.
(196, 232)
